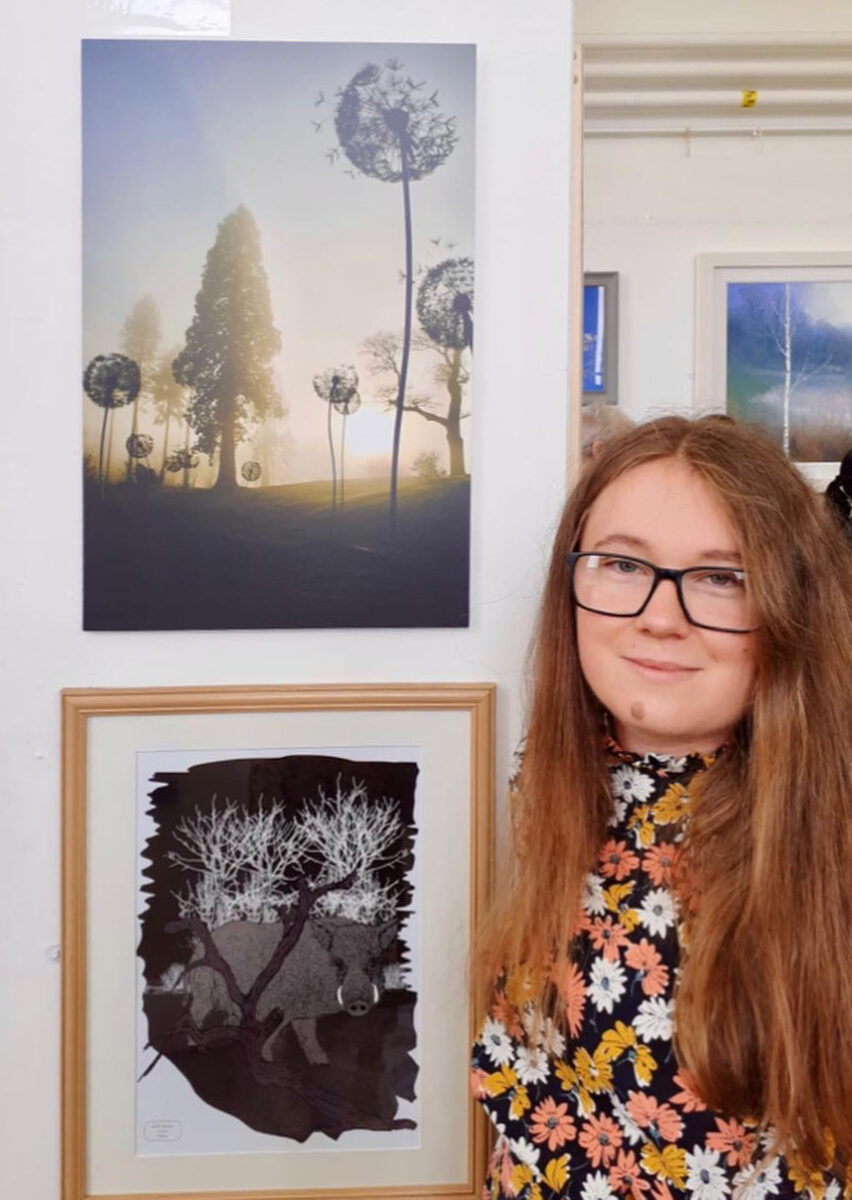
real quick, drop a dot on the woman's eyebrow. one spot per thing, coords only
(637, 543)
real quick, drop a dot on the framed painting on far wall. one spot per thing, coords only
(600, 337)
(271, 897)
(774, 347)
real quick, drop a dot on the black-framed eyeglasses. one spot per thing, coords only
(619, 585)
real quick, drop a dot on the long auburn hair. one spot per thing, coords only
(764, 998)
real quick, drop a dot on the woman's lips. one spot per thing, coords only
(660, 669)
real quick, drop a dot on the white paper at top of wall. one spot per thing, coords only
(148, 18)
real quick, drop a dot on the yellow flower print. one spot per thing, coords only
(622, 1041)
(594, 1072)
(644, 1065)
(671, 806)
(519, 1104)
(616, 1041)
(500, 1081)
(521, 1177)
(556, 1173)
(565, 1075)
(642, 826)
(615, 898)
(668, 1161)
(571, 1084)
(505, 1083)
(535, 1192)
(521, 986)
(814, 1181)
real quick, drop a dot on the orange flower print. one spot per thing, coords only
(660, 862)
(609, 936)
(572, 991)
(661, 1190)
(477, 1083)
(660, 1119)
(653, 972)
(551, 1123)
(504, 1011)
(616, 861)
(733, 1140)
(600, 1137)
(688, 1098)
(625, 1176)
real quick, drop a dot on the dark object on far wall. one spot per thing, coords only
(839, 493)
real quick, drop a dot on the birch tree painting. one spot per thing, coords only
(789, 364)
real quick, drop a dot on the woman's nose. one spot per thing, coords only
(664, 613)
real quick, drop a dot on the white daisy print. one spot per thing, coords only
(629, 786)
(657, 911)
(757, 1185)
(596, 1187)
(706, 1179)
(592, 900)
(545, 1033)
(532, 1065)
(607, 984)
(524, 1151)
(628, 1126)
(497, 1043)
(654, 1019)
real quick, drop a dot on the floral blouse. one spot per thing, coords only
(607, 1112)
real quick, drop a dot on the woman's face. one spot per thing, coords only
(670, 686)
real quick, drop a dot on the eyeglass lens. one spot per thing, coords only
(620, 586)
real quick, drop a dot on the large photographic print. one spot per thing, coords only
(278, 333)
(279, 967)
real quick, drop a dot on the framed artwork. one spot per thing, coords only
(600, 337)
(774, 346)
(278, 314)
(271, 897)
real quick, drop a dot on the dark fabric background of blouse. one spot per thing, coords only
(606, 1111)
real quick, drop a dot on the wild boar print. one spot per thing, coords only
(280, 974)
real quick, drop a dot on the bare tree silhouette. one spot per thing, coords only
(383, 351)
(140, 339)
(391, 130)
(110, 381)
(170, 399)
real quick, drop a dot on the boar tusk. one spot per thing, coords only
(340, 995)
(375, 994)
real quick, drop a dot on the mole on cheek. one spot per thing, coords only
(637, 710)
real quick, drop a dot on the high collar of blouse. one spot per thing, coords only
(658, 764)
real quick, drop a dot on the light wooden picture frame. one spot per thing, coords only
(200, 822)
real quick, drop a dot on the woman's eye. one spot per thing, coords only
(621, 566)
(722, 580)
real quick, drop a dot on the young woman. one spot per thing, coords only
(673, 1007)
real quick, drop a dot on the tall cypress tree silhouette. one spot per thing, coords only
(230, 345)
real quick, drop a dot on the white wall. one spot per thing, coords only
(652, 204)
(518, 471)
(624, 19)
